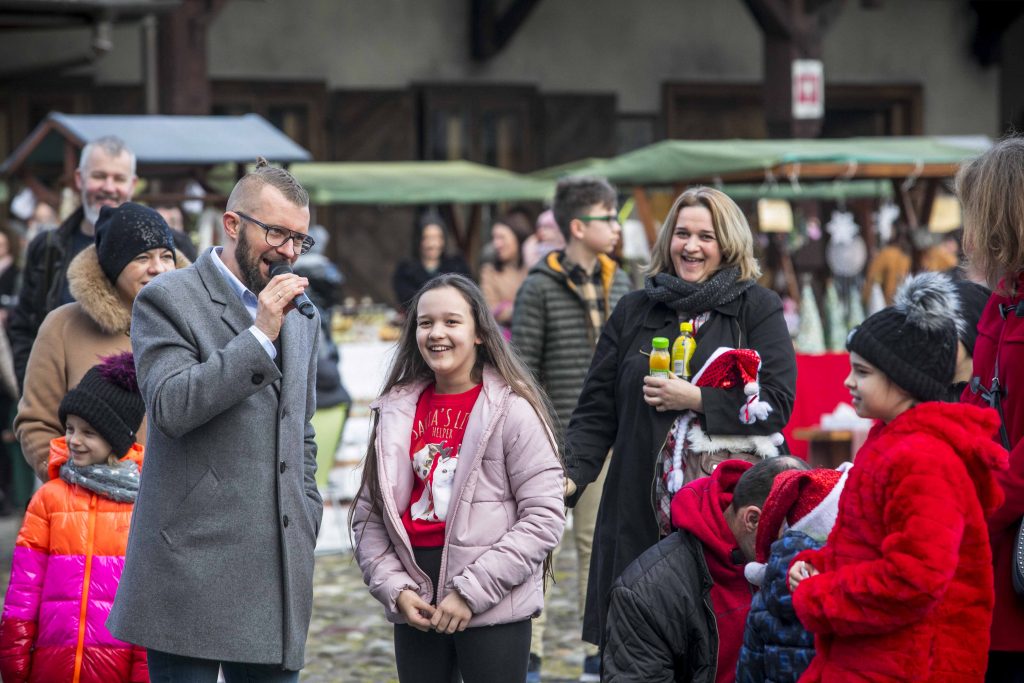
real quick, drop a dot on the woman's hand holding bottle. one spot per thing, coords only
(672, 393)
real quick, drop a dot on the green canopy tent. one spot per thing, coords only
(671, 162)
(421, 182)
(809, 168)
(676, 163)
(416, 182)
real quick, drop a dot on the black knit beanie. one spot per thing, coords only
(914, 341)
(973, 298)
(127, 231)
(108, 399)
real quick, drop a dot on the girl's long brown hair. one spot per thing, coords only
(409, 367)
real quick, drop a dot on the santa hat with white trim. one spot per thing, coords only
(725, 369)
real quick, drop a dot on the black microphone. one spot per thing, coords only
(301, 301)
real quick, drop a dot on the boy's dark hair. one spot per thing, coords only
(573, 196)
(756, 483)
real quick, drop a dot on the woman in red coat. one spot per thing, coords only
(902, 590)
(991, 190)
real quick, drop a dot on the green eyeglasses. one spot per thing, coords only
(610, 218)
(276, 236)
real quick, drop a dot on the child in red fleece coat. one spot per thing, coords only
(903, 588)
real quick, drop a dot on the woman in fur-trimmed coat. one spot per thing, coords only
(74, 336)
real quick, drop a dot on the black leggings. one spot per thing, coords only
(482, 654)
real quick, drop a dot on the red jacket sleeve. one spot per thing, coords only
(21, 607)
(924, 522)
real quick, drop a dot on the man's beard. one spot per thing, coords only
(249, 265)
(92, 211)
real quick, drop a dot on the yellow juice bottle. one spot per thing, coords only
(661, 361)
(682, 351)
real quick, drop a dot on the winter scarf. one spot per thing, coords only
(693, 299)
(118, 483)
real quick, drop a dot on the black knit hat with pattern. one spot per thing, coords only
(914, 341)
(127, 231)
(108, 398)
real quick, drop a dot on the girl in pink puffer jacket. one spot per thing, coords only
(461, 500)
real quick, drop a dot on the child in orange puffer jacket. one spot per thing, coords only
(70, 551)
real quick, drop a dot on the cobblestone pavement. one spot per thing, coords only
(349, 639)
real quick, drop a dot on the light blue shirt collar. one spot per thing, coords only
(243, 292)
(248, 299)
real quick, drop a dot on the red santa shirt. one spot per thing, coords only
(437, 432)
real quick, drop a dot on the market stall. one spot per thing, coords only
(907, 174)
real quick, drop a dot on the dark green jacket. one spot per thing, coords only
(551, 331)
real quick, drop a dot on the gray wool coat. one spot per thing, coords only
(220, 553)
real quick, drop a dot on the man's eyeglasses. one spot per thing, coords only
(277, 236)
(610, 218)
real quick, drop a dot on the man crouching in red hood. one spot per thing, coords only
(677, 612)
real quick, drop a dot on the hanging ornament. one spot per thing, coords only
(813, 229)
(810, 338)
(846, 252)
(885, 218)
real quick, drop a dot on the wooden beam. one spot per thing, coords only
(793, 29)
(491, 29)
(182, 71)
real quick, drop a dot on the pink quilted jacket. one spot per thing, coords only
(506, 515)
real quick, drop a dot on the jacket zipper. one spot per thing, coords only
(86, 580)
(714, 626)
(388, 503)
(499, 409)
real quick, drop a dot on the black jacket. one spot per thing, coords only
(661, 625)
(411, 275)
(612, 414)
(46, 267)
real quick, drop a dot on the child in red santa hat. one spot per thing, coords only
(798, 515)
(903, 588)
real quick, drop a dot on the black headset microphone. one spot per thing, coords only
(301, 301)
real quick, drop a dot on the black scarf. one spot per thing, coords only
(691, 299)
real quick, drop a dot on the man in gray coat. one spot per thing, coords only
(219, 566)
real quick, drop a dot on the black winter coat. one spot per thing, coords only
(612, 414)
(43, 280)
(661, 625)
(410, 275)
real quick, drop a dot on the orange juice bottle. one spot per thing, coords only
(682, 351)
(661, 361)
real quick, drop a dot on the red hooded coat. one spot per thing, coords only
(905, 590)
(1007, 338)
(698, 508)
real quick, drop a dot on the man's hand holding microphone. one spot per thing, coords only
(284, 292)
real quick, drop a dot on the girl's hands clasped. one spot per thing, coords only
(453, 614)
(416, 610)
(672, 393)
